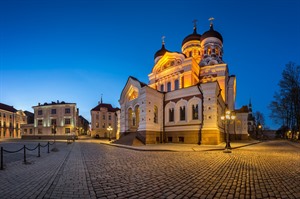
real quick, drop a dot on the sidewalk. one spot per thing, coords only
(181, 147)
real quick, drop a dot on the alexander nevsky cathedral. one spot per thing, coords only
(187, 94)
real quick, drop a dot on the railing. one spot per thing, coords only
(140, 137)
(24, 148)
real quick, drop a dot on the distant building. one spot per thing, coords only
(186, 96)
(103, 116)
(11, 120)
(83, 126)
(29, 127)
(59, 118)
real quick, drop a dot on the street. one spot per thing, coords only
(92, 170)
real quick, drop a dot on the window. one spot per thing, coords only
(181, 139)
(182, 82)
(0, 114)
(176, 84)
(190, 53)
(171, 115)
(25, 131)
(67, 121)
(103, 117)
(53, 111)
(195, 112)
(30, 131)
(155, 120)
(162, 87)
(97, 125)
(103, 126)
(53, 121)
(40, 122)
(4, 115)
(170, 139)
(133, 119)
(67, 130)
(67, 110)
(40, 112)
(169, 86)
(109, 117)
(182, 113)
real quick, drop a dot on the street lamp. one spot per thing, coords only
(109, 128)
(227, 119)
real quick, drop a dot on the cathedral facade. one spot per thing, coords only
(186, 96)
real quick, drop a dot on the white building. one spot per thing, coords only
(186, 95)
(55, 117)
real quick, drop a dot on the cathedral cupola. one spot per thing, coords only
(161, 51)
(191, 44)
(212, 43)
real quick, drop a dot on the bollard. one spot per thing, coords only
(1, 167)
(48, 147)
(39, 150)
(24, 154)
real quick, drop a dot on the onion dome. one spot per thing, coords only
(161, 51)
(191, 37)
(212, 33)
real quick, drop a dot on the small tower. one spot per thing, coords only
(191, 45)
(212, 43)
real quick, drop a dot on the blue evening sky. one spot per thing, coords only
(76, 50)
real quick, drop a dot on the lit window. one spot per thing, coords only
(67, 130)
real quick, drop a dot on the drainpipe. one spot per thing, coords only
(202, 114)
(162, 140)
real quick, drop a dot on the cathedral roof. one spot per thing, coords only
(212, 33)
(161, 51)
(191, 37)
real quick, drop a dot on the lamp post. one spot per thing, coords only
(227, 119)
(109, 128)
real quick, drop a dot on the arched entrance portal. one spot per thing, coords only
(133, 119)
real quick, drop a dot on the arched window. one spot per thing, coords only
(133, 119)
(162, 87)
(169, 86)
(155, 112)
(171, 115)
(195, 112)
(176, 84)
(182, 113)
(208, 51)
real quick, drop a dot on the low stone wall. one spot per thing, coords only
(46, 137)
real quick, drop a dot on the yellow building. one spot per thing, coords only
(11, 121)
(187, 93)
(104, 116)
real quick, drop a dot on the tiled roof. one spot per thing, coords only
(7, 108)
(103, 105)
(244, 109)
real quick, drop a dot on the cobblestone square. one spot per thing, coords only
(93, 170)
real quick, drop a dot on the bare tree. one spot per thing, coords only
(286, 104)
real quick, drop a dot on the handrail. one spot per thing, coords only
(24, 148)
